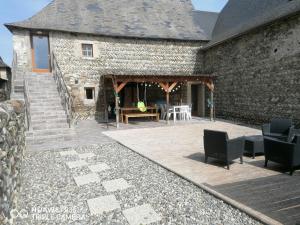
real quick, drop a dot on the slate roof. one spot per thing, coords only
(3, 64)
(206, 20)
(240, 16)
(164, 19)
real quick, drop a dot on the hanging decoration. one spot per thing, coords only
(141, 104)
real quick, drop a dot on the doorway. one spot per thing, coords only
(198, 100)
(40, 53)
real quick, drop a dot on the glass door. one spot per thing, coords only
(40, 53)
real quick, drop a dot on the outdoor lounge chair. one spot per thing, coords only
(278, 128)
(282, 152)
(217, 145)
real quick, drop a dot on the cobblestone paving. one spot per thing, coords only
(130, 190)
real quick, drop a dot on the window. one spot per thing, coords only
(90, 93)
(87, 50)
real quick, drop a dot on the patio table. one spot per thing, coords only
(254, 144)
(152, 109)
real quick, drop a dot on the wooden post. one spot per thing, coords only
(117, 89)
(117, 110)
(168, 105)
(212, 106)
(105, 102)
(168, 88)
(211, 87)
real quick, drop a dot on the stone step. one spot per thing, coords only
(31, 142)
(49, 123)
(45, 95)
(18, 83)
(43, 92)
(49, 126)
(47, 108)
(46, 101)
(41, 120)
(41, 88)
(38, 84)
(18, 89)
(42, 98)
(17, 96)
(43, 104)
(49, 132)
(44, 80)
(45, 115)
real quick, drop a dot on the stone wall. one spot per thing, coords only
(12, 144)
(21, 46)
(258, 73)
(118, 56)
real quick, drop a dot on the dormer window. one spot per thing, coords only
(87, 50)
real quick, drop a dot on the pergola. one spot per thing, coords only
(167, 82)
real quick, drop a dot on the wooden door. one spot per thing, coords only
(40, 53)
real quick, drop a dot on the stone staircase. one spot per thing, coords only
(48, 119)
(18, 85)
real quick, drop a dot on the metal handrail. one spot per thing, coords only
(26, 91)
(13, 70)
(66, 99)
(27, 104)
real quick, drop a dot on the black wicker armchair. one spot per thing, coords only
(278, 128)
(282, 152)
(218, 146)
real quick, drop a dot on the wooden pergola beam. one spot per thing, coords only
(119, 88)
(172, 86)
(168, 83)
(165, 86)
(210, 85)
(160, 79)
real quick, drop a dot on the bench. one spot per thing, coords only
(138, 115)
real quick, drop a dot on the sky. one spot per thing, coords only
(18, 10)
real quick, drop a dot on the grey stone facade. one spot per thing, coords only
(118, 56)
(21, 46)
(12, 145)
(258, 73)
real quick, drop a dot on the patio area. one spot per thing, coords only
(267, 194)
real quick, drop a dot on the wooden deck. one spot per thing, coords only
(180, 149)
(277, 196)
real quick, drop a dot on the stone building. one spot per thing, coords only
(251, 47)
(5, 81)
(255, 54)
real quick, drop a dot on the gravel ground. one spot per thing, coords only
(50, 195)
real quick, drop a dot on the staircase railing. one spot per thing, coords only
(27, 104)
(66, 99)
(14, 70)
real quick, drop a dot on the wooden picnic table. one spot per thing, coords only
(133, 110)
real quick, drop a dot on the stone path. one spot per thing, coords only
(143, 214)
(113, 185)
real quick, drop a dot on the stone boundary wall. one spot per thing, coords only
(258, 74)
(12, 145)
